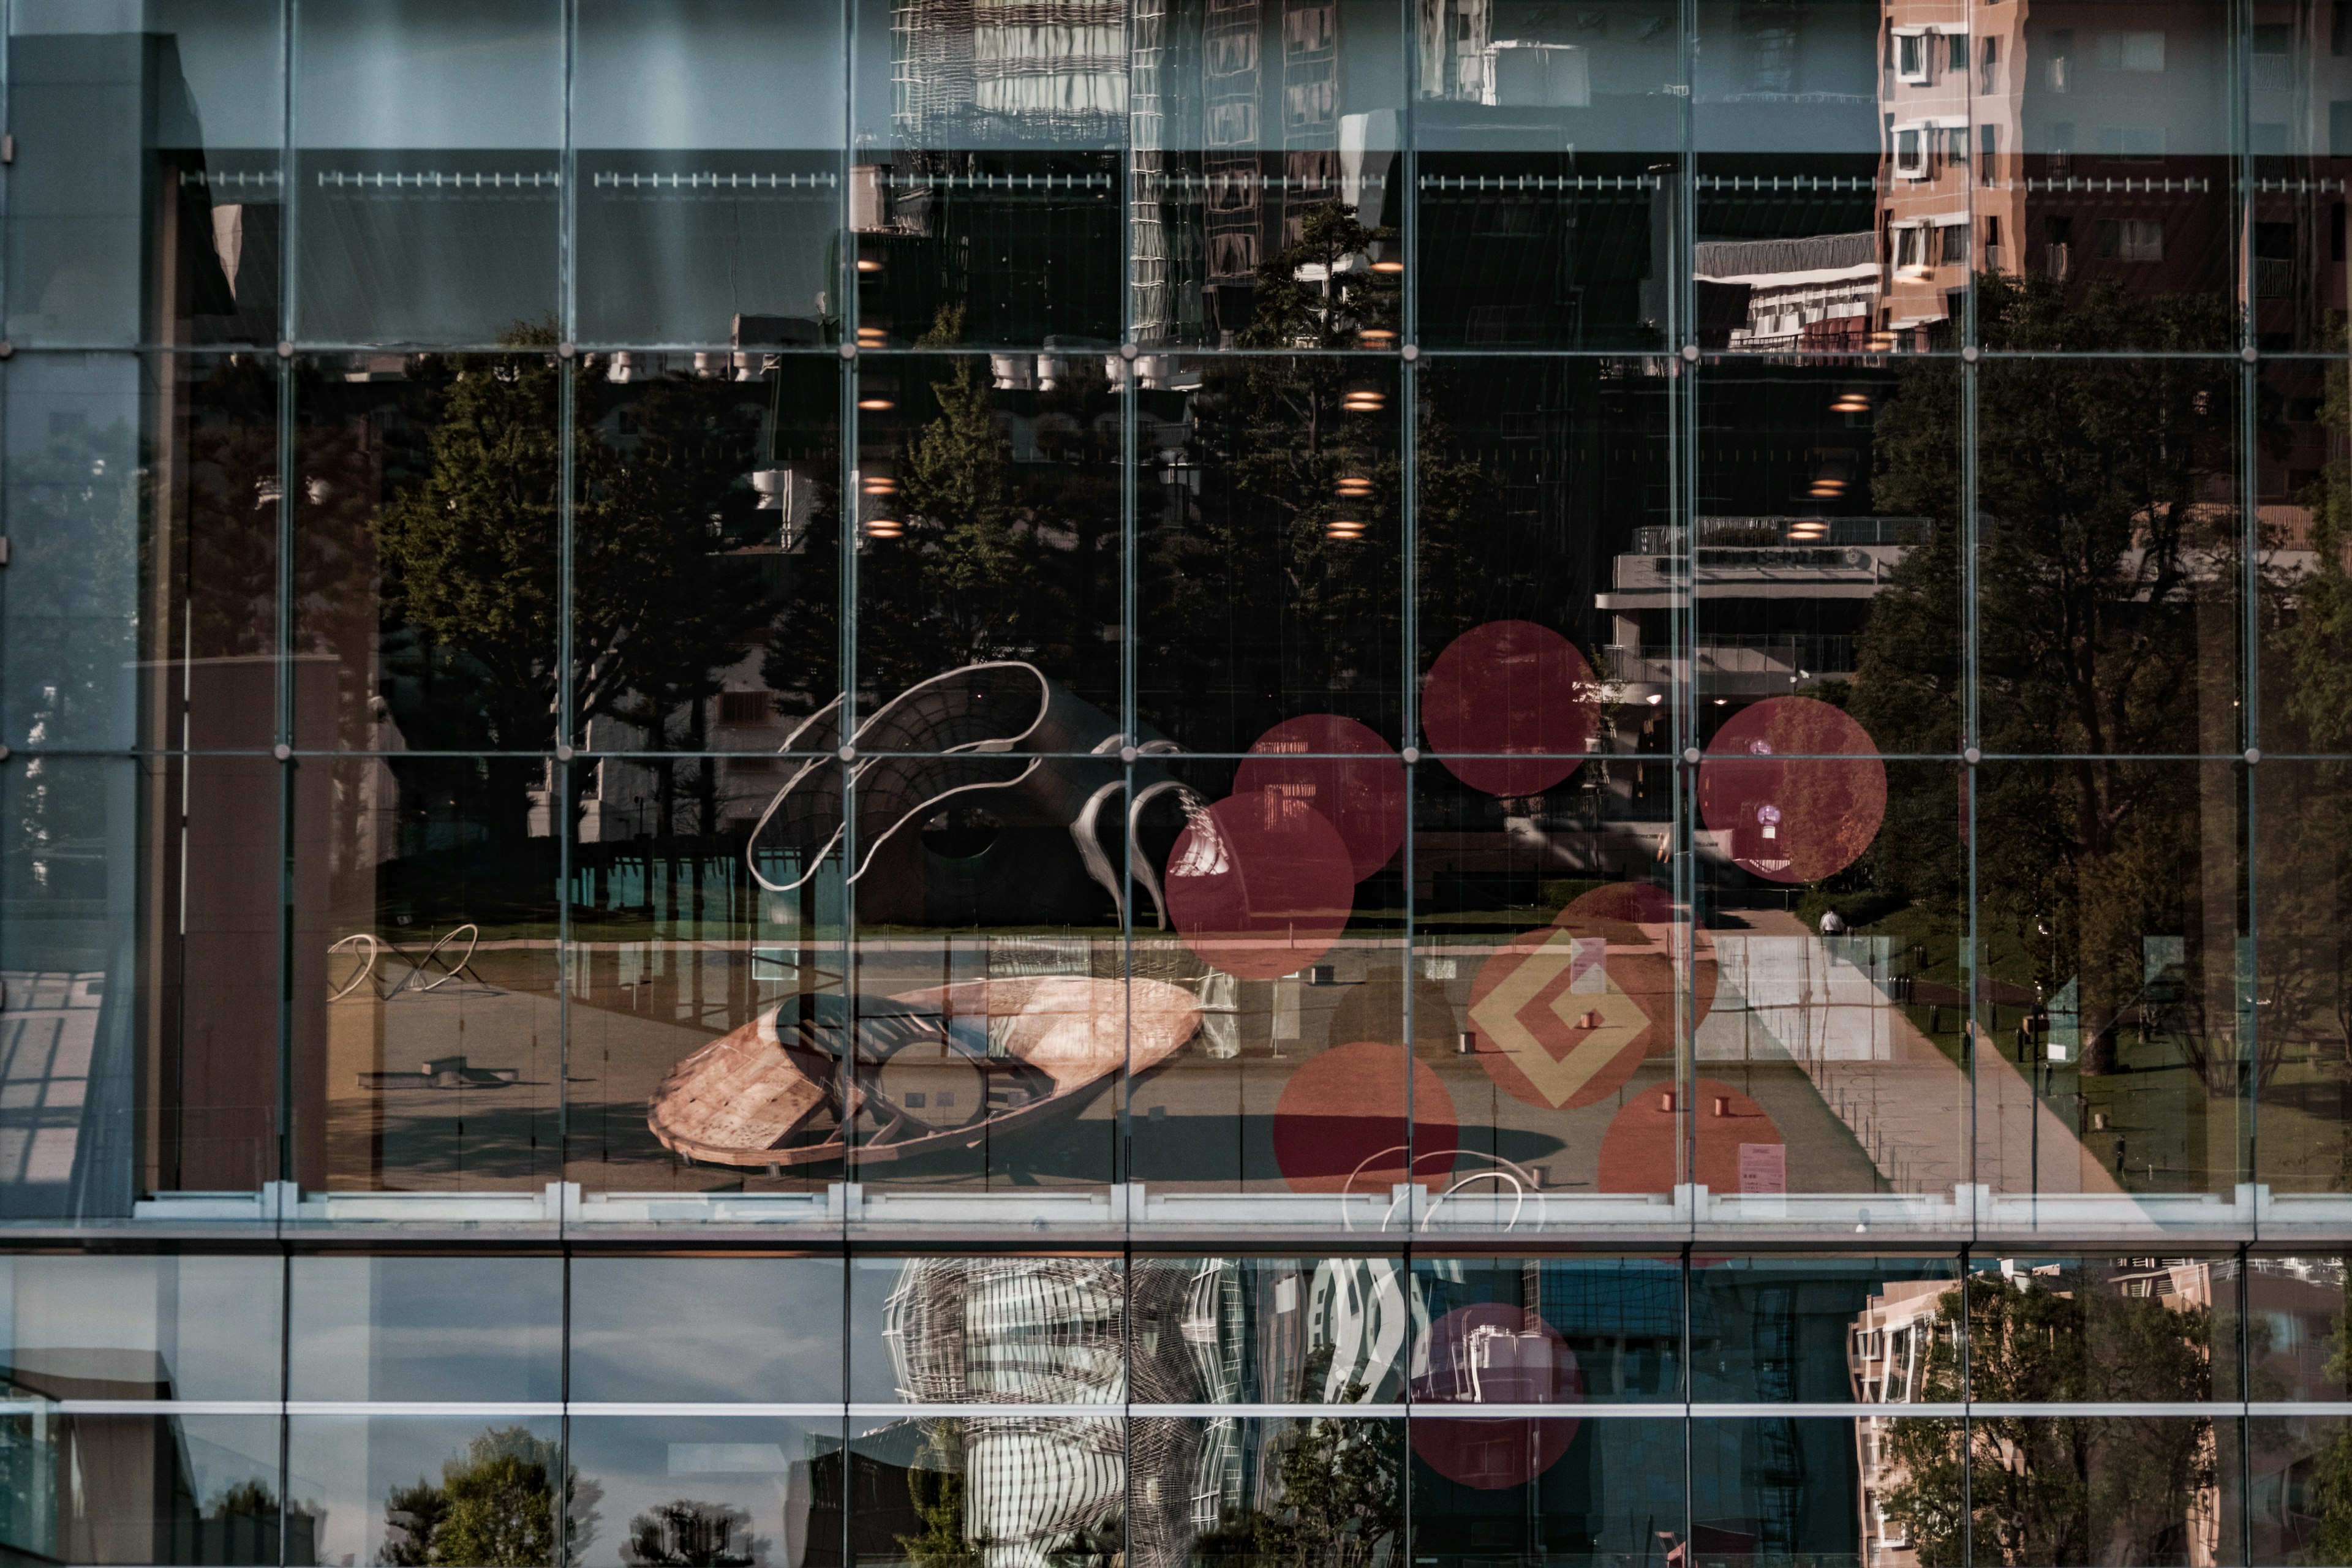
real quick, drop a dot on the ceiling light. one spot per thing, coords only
(1851, 401)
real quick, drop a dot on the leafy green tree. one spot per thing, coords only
(493, 1508)
(2052, 1492)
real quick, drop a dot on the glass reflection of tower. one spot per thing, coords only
(1020, 1332)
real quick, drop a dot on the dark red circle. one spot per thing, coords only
(1639, 1153)
(1340, 1123)
(1795, 788)
(1259, 888)
(1360, 791)
(1514, 689)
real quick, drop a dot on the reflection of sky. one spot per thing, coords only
(715, 1329)
(220, 1451)
(348, 1465)
(211, 1321)
(427, 1328)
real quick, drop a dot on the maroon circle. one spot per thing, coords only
(1641, 1153)
(1340, 1124)
(1259, 892)
(1515, 688)
(1493, 1354)
(1360, 791)
(1795, 788)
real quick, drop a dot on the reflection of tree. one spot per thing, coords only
(2048, 1490)
(471, 560)
(495, 1507)
(2330, 1491)
(2305, 942)
(1340, 1504)
(2106, 607)
(1000, 558)
(690, 1534)
(936, 1487)
(1318, 291)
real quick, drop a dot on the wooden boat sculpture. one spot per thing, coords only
(943, 1068)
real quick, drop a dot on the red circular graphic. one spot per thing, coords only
(1493, 1354)
(1259, 887)
(1739, 1150)
(1364, 799)
(1794, 787)
(1488, 1454)
(1517, 689)
(1562, 1017)
(1340, 1125)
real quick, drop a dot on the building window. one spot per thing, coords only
(1989, 80)
(1911, 153)
(2131, 140)
(1955, 245)
(1911, 57)
(2131, 51)
(2131, 239)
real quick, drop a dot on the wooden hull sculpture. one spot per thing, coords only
(943, 1068)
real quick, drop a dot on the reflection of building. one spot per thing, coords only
(1887, 1355)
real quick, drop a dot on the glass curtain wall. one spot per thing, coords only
(1461, 617)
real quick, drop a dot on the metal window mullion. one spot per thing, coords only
(846, 635)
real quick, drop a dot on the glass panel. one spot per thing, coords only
(1831, 1060)
(70, 660)
(426, 1026)
(1549, 148)
(405, 1490)
(728, 1491)
(70, 1038)
(2112, 941)
(1544, 495)
(1269, 581)
(2298, 141)
(1579, 1493)
(1914, 1484)
(148, 205)
(428, 184)
(2148, 1490)
(718, 1330)
(1828, 557)
(1054, 1488)
(2294, 1312)
(1792, 1329)
(1605, 1329)
(141, 1328)
(1826, 178)
(986, 1330)
(427, 493)
(2124, 230)
(421, 1328)
(2302, 958)
(985, 196)
(2294, 1499)
(148, 1489)
(1239, 1490)
(1267, 953)
(707, 990)
(1278, 1331)
(988, 530)
(1265, 141)
(2109, 611)
(1781, 1489)
(706, 574)
(2119, 1329)
(707, 147)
